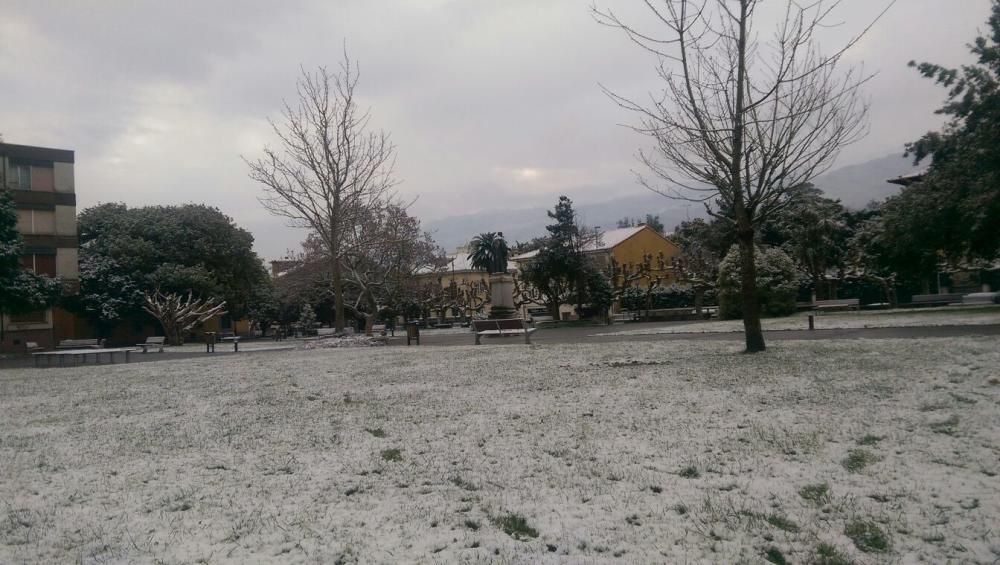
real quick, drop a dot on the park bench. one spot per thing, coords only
(669, 314)
(502, 328)
(935, 299)
(379, 329)
(233, 338)
(81, 344)
(153, 342)
(982, 298)
(321, 332)
(841, 304)
(210, 341)
(31, 346)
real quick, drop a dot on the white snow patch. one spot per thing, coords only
(286, 457)
(346, 341)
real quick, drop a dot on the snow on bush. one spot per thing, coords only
(777, 283)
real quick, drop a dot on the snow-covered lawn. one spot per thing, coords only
(665, 452)
(953, 316)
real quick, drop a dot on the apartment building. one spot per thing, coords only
(41, 182)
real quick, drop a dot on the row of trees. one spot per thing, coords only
(138, 262)
(180, 265)
(949, 219)
(378, 277)
(129, 253)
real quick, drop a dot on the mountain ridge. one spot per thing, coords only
(854, 185)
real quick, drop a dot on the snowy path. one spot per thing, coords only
(930, 317)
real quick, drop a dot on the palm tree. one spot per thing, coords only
(489, 252)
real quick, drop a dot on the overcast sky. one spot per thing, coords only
(492, 104)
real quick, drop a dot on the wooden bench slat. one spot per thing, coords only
(80, 343)
(502, 327)
(849, 303)
(157, 341)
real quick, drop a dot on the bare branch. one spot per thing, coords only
(331, 170)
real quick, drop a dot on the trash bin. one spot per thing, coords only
(412, 333)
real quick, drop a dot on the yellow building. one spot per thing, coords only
(640, 253)
(638, 256)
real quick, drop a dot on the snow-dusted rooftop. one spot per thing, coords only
(607, 240)
(458, 261)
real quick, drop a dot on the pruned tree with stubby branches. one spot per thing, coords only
(331, 169)
(179, 315)
(741, 119)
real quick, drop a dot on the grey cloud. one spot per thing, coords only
(160, 99)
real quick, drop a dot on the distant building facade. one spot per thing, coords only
(460, 289)
(41, 181)
(627, 253)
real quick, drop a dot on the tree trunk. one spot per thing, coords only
(338, 296)
(890, 293)
(370, 315)
(171, 331)
(744, 224)
(553, 307)
(748, 287)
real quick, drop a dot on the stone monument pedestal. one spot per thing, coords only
(502, 296)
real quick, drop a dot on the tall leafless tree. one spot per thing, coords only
(331, 169)
(740, 120)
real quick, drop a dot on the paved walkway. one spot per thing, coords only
(586, 334)
(583, 334)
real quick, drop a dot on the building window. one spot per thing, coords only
(37, 317)
(45, 265)
(40, 264)
(22, 176)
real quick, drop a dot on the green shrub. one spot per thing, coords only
(777, 283)
(817, 494)
(392, 455)
(867, 536)
(858, 459)
(827, 554)
(515, 525)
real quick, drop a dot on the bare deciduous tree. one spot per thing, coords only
(386, 250)
(179, 315)
(741, 120)
(330, 168)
